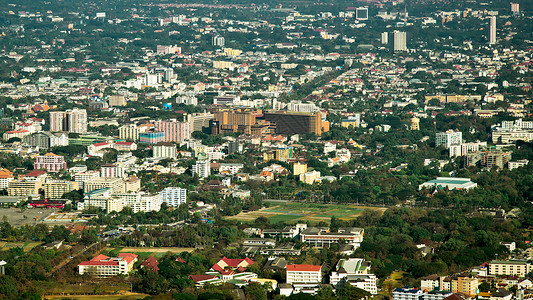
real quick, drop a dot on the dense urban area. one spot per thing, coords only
(242, 149)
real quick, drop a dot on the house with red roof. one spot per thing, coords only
(231, 264)
(200, 280)
(151, 263)
(102, 266)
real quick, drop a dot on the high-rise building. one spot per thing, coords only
(71, 120)
(199, 120)
(400, 41)
(219, 41)
(173, 196)
(515, 8)
(492, 30)
(164, 150)
(112, 170)
(129, 132)
(174, 131)
(202, 168)
(117, 100)
(448, 138)
(384, 38)
(361, 13)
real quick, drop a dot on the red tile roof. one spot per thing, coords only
(304, 268)
(35, 173)
(151, 263)
(129, 257)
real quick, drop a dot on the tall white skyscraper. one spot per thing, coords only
(400, 41)
(492, 30)
(384, 38)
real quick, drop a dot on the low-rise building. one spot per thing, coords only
(303, 274)
(102, 266)
(354, 271)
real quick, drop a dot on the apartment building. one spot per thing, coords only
(164, 150)
(303, 274)
(50, 162)
(173, 196)
(115, 184)
(516, 267)
(5, 178)
(202, 168)
(72, 120)
(103, 266)
(112, 170)
(174, 131)
(54, 189)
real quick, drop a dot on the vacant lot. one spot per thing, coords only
(27, 246)
(292, 212)
(18, 217)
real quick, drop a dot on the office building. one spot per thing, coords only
(174, 131)
(515, 8)
(116, 185)
(173, 196)
(297, 123)
(492, 30)
(488, 159)
(448, 138)
(197, 121)
(361, 13)
(321, 236)
(202, 168)
(400, 41)
(50, 162)
(303, 274)
(54, 189)
(71, 120)
(102, 266)
(164, 150)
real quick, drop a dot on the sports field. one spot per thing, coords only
(292, 212)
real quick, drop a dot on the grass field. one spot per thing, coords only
(292, 212)
(84, 291)
(145, 252)
(27, 246)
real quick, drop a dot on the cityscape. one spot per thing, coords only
(166, 149)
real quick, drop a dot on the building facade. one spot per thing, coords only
(50, 162)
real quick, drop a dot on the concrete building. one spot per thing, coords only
(303, 274)
(218, 41)
(299, 168)
(129, 132)
(515, 267)
(117, 100)
(361, 13)
(151, 137)
(406, 294)
(71, 120)
(132, 184)
(198, 121)
(319, 237)
(54, 189)
(488, 159)
(45, 140)
(492, 30)
(355, 271)
(24, 188)
(174, 131)
(112, 170)
(400, 41)
(449, 183)
(352, 121)
(415, 123)
(518, 164)
(202, 168)
(310, 177)
(102, 266)
(384, 38)
(448, 138)
(297, 123)
(164, 150)
(5, 178)
(50, 162)
(115, 184)
(173, 196)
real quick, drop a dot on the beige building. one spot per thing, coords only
(510, 267)
(117, 100)
(465, 285)
(115, 184)
(132, 184)
(54, 189)
(24, 187)
(299, 168)
(310, 177)
(415, 123)
(129, 132)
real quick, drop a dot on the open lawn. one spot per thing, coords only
(103, 290)
(27, 246)
(292, 212)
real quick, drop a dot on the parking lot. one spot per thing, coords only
(18, 217)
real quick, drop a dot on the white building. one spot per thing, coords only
(356, 272)
(112, 170)
(400, 41)
(407, 294)
(231, 168)
(102, 266)
(464, 148)
(450, 183)
(202, 168)
(173, 196)
(448, 138)
(304, 274)
(164, 150)
(492, 30)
